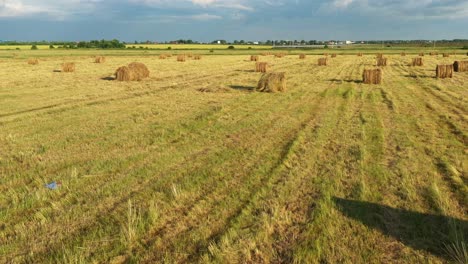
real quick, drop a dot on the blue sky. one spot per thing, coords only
(206, 20)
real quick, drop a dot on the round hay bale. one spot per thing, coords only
(460, 66)
(100, 59)
(124, 73)
(444, 71)
(302, 56)
(139, 70)
(272, 82)
(68, 67)
(33, 61)
(322, 62)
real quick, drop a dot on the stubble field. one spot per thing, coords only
(193, 166)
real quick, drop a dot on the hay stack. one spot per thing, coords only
(446, 55)
(333, 55)
(302, 56)
(382, 61)
(68, 67)
(444, 71)
(433, 53)
(379, 55)
(359, 54)
(417, 62)
(197, 57)
(372, 76)
(322, 62)
(403, 54)
(279, 55)
(100, 59)
(325, 54)
(261, 67)
(460, 66)
(421, 54)
(33, 61)
(162, 57)
(272, 82)
(135, 71)
(181, 58)
(190, 55)
(253, 58)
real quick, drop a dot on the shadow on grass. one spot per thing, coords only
(432, 233)
(242, 88)
(341, 81)
(108, 78)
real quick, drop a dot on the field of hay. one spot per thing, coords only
(192, 166)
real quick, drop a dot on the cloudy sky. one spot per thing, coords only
(206, 20)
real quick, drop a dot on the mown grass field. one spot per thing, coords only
(192, 166)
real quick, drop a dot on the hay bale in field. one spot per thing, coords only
(433, 53)
(382, 61)
(444, 71)
(162, 57)
(190, 55)
(322, 62)
(460, 66)
(261, 67)
(421, 54)
(302, 56)
(403, 54)
(135, 71)
(333, 55)
(169, 55)
(181, 58)
(372, 76)
(100, 59)
(379, 55)
(325, 54)
(253, 58)
(68, 67)
(359, 54)
(279, 55)
(417, 62)
(446, 55)
(33, 61)
(197, 57)
(272, 82)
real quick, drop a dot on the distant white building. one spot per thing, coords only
(349, 42)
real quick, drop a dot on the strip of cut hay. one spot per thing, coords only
(421, 54)
(181, 58)
(261, 67)
(372, 76)
(33, 61)
(254, 58)
(446, 55)
(322, 62)
(302, 56)
(333, 55)
(135, 71)
(68, 67)
(417, 62)
(197, 57)
(272, 82)
(100, 59)
(460, 66)
(444, 71)
(381, 61)
(162, 57)
(403, 54)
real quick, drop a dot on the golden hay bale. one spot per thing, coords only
(382, 61)
(421, 54)
(99, 59)
(333, 55)
(139, 70)
(322, 62)
(168, 55)
(359, 54)
(444, 71)
(460, 66)
(372, 76)
(433, 53)
(446, 55)
(272, 82)
(124, 73)
(403, 54)
(68, 67)
(181, 58)
(302, 56)
(417, 62)
(254, 58)
(197, 57)
(279, 55)
(379, 55)
(162, 57)
(261, 67)
(325, 54)
(190, 55)
(33, 61)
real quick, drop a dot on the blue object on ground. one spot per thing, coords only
(52, 185)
